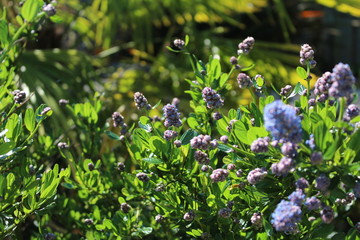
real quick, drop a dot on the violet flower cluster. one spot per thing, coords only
(322, 87)
(170, 134)
(283, 167)
(141, 101)
(219, 175)
(343, 82)
(244, 80)
(172, 116)
(201, 157)
(212, 99)
(307, 55)
(260, 145)
(246, 45)
(256, 175)
(200, 142)
(118, 121)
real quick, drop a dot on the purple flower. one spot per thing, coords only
(62, 145)
(212, 99)
(316, 158)
(217, 116)
(289, 149)
(143, 177)
(225, 212)
(179, 43)
(219, 175)
(214, 144)
(283, 123)
(200, 142)
(322, 183)
(322, 86)
(233, 60)
(177, 143)
(141, 101)
(244, 80)
(118, 119)
(169, 134)
(189, 216)
(285, 90)
(297, 197)
(302, 183)
(260, 145)
(19, 96)
(256, 175)
(231, 167)
(286, 216)
(307, 55)
(327, 214)
(201, 157)
(224, 139)
(256, 220)
(311, 142)
(125, 207)
(175, 102)
(352, 111)
(312, 203)
(343, 82)
(204, 168)
(49, 10)
(45, 111)
(159, 218)
(246, 45)
(172, 116)
(283, 167)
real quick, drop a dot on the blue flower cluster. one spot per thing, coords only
(283, 123)
(286, 216)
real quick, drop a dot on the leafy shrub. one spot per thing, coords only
(273, 169)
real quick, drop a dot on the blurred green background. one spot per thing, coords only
(117, 47)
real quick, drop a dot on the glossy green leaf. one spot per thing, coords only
(301, 72)
(30, 9)
(153, 160)
(29, 119)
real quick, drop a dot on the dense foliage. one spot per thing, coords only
(284, 166)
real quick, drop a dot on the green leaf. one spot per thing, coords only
(315, 118)
(30, 9)
(156, 105)
(191, 121)
(10, 178)
(187, 136)
(223, 79)
(68, 185)
(224, 148)
(267, 226)
(298, 90)
(187, 39)
(4, 32)
(112, 135)
(153, 160)
(240, 132)
(6, 147)
(248, 68)
(29, 119)
(301, 72)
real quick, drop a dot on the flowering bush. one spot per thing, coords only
(285, 166)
